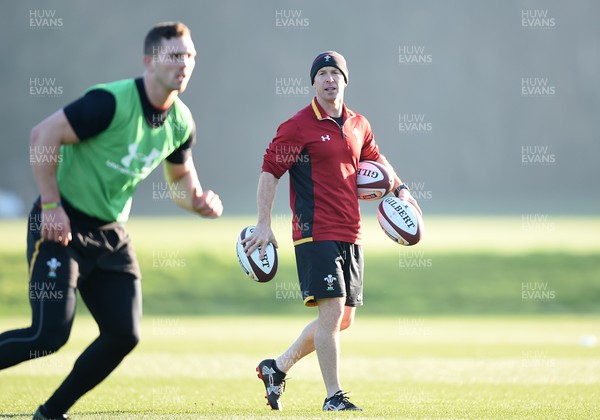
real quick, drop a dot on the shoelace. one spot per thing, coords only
(282, 386)
(343, 397)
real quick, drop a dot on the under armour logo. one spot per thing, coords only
(331, 407)
(87, 240)
(272, 388)
(327, 57)
(133, 154)
(325, 138)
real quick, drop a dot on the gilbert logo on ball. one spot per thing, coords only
(373, 180)
(260, 270)
(400, 220)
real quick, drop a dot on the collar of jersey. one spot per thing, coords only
(322, 115)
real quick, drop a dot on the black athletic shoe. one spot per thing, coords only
(274, 382)
(40, 414)
(338, 402)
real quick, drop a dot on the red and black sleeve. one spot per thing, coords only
(370, 150)
(284, 149)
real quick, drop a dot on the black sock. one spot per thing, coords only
(44, 411)
(47, 412)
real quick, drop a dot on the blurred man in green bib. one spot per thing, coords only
(88, 159)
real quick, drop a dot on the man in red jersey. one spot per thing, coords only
(320, 146)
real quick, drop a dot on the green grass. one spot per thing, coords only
(446, 332)
(190, 268)
(395, 367)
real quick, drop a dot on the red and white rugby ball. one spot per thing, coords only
(400, 220)
(258, 270)
(373, 180)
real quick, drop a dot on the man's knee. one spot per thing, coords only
(347, 322)
(348, 318)
(52, 339)
(331, 311)
(123, 342)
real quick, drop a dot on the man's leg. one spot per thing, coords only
(52, 298)
(305, 343)
(273, 372)
(50, 329)
(319, 268)
(327, 334)
(115, 303)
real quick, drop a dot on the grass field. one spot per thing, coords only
(413, 368)
(446, 332)
(190, 268)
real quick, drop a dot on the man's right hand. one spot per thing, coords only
(56, 226)
(263, 234)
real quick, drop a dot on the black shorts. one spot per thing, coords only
(328, 269)
(92, 255)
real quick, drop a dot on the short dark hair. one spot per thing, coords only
(166, 30)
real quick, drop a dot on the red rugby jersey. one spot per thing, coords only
(322, 159)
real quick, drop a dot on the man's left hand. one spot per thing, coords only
(405, 195)
(208, 205)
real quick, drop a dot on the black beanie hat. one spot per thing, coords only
(328, 58)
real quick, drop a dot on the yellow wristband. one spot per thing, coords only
(48, 206)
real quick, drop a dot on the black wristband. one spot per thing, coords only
(400, 188)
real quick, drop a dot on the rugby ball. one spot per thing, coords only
(373, 180)
(400, 220)
(258, 270)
